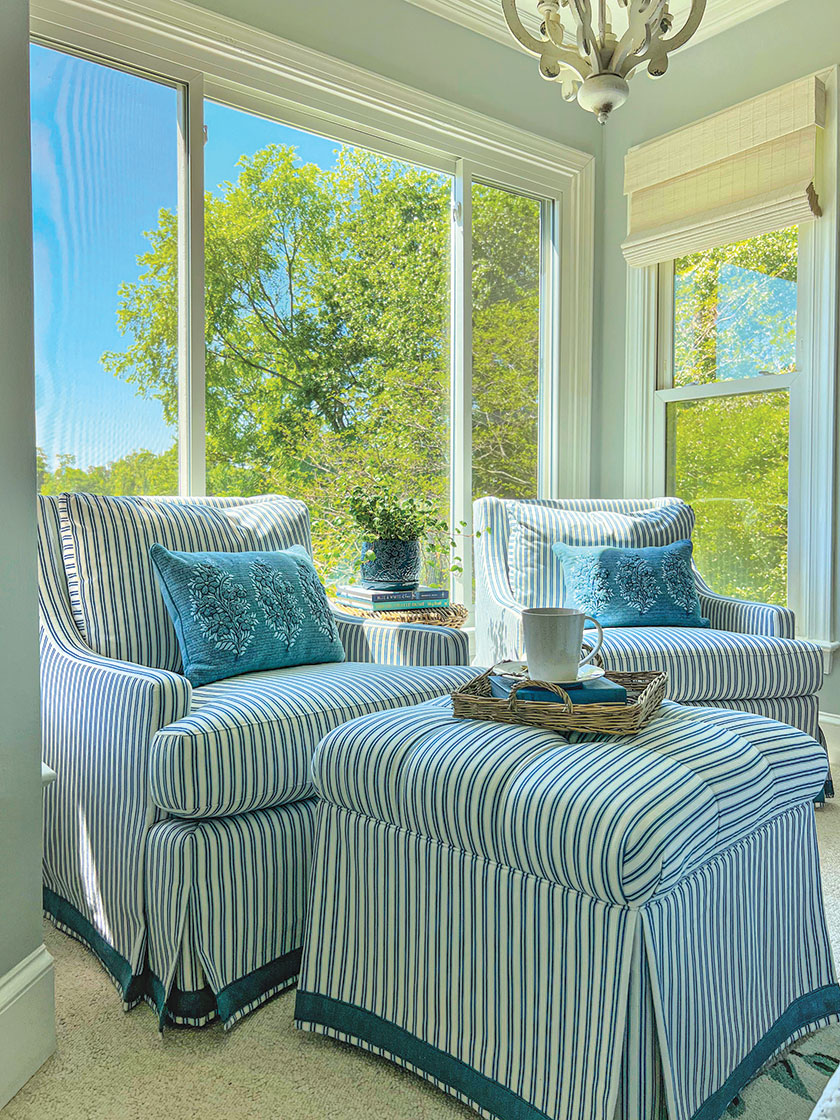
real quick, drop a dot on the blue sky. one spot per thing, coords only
(104, 164)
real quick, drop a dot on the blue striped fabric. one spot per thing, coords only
(708, 664)
(742, 617)
(536, 574)
(98, 719)
(801, 712)
(706, 779)
(484, 898)
(398, 643)
(114, 595)
(226, 898)
(748, 655)
(113, 866)
(248, 741)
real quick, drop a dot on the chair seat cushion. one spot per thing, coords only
(716, 664)
(248, 741)
(616, 817)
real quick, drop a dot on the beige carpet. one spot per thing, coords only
(110, 1065)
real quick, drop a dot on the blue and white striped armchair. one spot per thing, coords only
(748, 661)
(179, 830)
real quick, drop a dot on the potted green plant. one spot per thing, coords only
(392, 529)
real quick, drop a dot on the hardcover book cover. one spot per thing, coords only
(600, 691)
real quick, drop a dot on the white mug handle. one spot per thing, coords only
(598, 644)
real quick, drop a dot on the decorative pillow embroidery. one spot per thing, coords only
(276, 596)
(593, 585)
(636, 583)
(679, 582)
(221, 609)
(652, 586)
(313, 592)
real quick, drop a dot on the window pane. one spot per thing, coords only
(728, 457)
(506, 343)
(105, 166)
(735, 310)
(327, 323)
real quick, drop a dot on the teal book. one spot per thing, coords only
(599, 691)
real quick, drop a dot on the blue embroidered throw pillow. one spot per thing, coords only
(632, 586)
(242, 612)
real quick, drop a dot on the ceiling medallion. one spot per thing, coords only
(592, 63)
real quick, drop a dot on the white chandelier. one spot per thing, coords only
(592, 63)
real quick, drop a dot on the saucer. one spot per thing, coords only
(520, 669)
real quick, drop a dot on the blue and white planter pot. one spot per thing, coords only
(395, 565)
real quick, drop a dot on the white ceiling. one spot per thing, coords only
(485, 16)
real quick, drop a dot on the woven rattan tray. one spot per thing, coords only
(645, 693)
(454, 615)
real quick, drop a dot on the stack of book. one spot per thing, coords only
(598, 691)
(367, 599)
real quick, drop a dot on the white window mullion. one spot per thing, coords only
(550, 354)
(644, 413)
(813, 407)
(191, 435)
(461, 382)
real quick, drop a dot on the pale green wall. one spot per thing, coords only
(414, 47)
(20, 746)
(787, 42)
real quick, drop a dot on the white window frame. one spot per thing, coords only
(219, 58)
(813, 397)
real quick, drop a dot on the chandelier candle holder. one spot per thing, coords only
(592, 63)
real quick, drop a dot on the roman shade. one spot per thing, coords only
(739, 173)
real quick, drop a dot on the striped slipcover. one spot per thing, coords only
(179, 830)
(749, 654)
(569, 928)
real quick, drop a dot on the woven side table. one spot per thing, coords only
(454, 615)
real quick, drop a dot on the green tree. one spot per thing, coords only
(327, 311)
(735, 316)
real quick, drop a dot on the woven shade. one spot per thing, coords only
(739, 173)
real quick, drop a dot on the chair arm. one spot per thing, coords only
(498, 628)
(99, 718)
(742, 617)
(401, 643)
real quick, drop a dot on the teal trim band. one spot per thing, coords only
(802, 1012)
(130, 986)
(203, 1003)
(310, 1007)
(280, 971)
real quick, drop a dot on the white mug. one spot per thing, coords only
(553, 640)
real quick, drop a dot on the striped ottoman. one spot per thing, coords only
(574, 928)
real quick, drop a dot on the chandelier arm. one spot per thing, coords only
(654, 50)
(698, 7)
(519, 31)
(587, 43)
(637, 38)
(553, 58)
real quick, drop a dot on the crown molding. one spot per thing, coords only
(233, 56)
(485, 16)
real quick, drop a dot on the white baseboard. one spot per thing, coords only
(830, 719)
(27, 1021)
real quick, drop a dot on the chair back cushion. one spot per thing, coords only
(535, 572)
(105, 543)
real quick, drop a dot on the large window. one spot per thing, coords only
(238, 292)
(105, 191)
(506, 343)
(731, 320)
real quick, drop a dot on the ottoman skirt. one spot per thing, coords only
(529, 1000)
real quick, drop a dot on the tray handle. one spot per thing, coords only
(513, 703)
